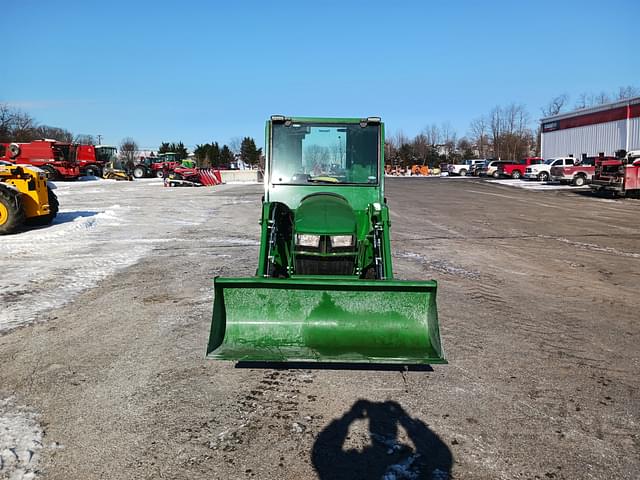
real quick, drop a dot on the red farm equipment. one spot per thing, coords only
(93, 158)
(620, 176)
(57, 159)
(187, 174)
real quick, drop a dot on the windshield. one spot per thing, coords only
(304, 153)
(105, 154)
(549, 161)
(167, 157)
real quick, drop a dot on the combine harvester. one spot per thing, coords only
(324, 288)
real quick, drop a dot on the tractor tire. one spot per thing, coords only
(42, 220)
(93, 171)
(51, 172)
(543, 176)
(159, 174)
(516, 174)
(579, 181)
(11, 210)
(139, 172)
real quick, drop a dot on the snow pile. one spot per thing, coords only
(20, 442)
(103, 226)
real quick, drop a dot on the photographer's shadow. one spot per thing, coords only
(385, 456)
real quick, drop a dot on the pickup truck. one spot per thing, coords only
(542, 171)
(463, 169)
(517, 169)
(578, 174)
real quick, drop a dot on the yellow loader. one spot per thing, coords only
(25, 198)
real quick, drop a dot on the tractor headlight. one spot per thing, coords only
(308, 240)
(341, 240)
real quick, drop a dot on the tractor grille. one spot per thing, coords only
(312, 265)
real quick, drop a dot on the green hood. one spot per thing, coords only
(325, 214)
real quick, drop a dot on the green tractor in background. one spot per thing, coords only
(324, 288)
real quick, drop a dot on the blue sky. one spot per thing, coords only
(202, 71)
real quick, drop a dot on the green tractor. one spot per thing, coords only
(324, 288)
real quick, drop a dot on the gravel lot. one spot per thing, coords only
(538, 302)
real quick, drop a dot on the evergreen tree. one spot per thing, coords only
(214, 154)
(248, 151)
(226, 156)
(201, 153)
(174, 147)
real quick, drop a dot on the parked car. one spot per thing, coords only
(517, 169)
(490, 168)
(579, 174)
(462, 169)
(542, 171)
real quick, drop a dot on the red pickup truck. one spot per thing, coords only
(516, 169)
(579, 174)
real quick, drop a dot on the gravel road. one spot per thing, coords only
(539, 308)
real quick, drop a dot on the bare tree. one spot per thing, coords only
(128, 148)
(495, 124)
(555, 106)
(6, 122)
(584, 101)
(235, 145)
(433, 135)
(59, 134)
(601, 98)
(479, 133)
(448, 138)
(316, 155)
(628, 92)
(23, 127)
(421, 147)
(390, 151)
(84, 139)
(400, 139)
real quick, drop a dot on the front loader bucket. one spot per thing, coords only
(325, 320)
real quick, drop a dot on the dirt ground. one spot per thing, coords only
(539, 306)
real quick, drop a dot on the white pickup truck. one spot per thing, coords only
(463, 168)
(542, 171)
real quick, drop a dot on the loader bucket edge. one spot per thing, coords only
(325, 319)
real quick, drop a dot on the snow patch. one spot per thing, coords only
(103, 226)
(535, 185)
(20, 441)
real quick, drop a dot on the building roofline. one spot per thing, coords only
(598, 108)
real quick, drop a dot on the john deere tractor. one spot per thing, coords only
(324, 287)
(25, 198)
